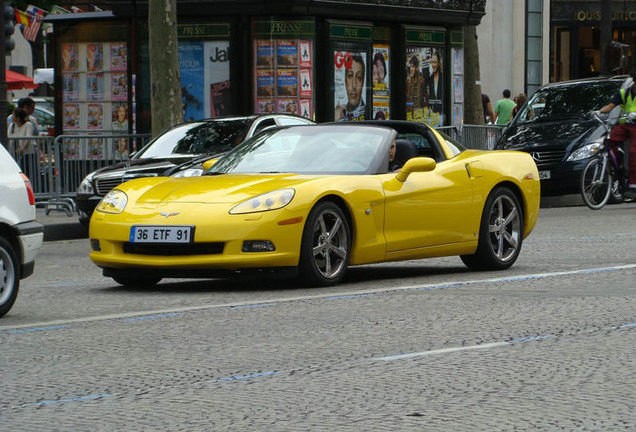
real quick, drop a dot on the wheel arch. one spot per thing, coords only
(342, 204)
(10, 235)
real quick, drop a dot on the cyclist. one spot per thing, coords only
(626, 98)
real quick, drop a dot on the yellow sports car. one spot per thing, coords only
(317, 199)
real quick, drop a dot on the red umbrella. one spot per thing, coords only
(16, 81)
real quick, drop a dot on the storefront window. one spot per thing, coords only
(425, 77)
(283, 53)
(204, 66)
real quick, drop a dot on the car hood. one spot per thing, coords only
(142, 167)
(227, 188)
(561, 135)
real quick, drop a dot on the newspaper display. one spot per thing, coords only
(283, 76)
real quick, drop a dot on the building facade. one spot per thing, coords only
(325, 60)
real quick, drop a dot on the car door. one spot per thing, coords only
(429, 208)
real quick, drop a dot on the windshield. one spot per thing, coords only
(214, 136)
(309, 150)
(554, 103)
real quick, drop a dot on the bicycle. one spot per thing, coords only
(603, 177)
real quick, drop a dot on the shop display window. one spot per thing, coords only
(283, 59)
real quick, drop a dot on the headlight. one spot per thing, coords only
(190, 172)
(269, 201)
(86, 187)
(584, 152)
(114, 202)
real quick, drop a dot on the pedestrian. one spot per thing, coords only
(520, 101)
(487, 107)
(503, 109)
(28, 105)
(626, 99)
(25, 149)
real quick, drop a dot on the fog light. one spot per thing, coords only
(258, 246)
(95, 245)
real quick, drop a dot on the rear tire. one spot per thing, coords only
(9, 276)
(326, 246)
(596, 190)
(500, 233)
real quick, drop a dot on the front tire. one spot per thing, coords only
(500, 233)
(596, 187)
(326, 246)
(9, 276)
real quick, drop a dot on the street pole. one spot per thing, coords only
(3, 79)
(606, 35)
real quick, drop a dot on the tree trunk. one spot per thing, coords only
(473, 111)
(165, 83)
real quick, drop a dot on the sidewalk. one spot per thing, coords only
(59, 226)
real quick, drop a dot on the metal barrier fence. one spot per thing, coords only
(477, 137)
(57, 165)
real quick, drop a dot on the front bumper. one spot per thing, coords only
(565, 178)
(212, 224)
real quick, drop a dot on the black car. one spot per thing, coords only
(556, 128)
(173, 148)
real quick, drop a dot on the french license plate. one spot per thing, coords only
(544, 175)
(161, 234)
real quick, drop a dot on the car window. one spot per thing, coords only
(424, 147)
(554, 103)
(198, 138)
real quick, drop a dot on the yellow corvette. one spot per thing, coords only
(317, 199)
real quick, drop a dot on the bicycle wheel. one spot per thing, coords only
(595, 187)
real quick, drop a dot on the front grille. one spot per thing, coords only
(106, 184)
(546, 160)
(171, 249)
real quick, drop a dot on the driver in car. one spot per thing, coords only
(626, 129)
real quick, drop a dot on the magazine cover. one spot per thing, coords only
(350, 85)
(287, 52)
(305, 54)
(118, 56)
(95, 117)
(264, 53)
(288, 106)
(265, 106)
(119, 117)
(118, 86)
(71, 87)
(71, 116)
(95, 86)
(265, 83)
(220, 98)
(69, 57)
(305, 108)
(306, 88)
(287, 82)
(94, 57)
(95, 147)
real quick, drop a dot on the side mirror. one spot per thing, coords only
(208, 164)
(418, 164)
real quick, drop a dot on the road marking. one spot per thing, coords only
(151, 317)
(358, 293)
(75, 399)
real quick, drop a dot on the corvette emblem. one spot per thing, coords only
(165, 214)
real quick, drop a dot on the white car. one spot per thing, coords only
(21, 235)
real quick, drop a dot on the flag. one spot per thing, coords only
(36, 14)
(22, 17)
